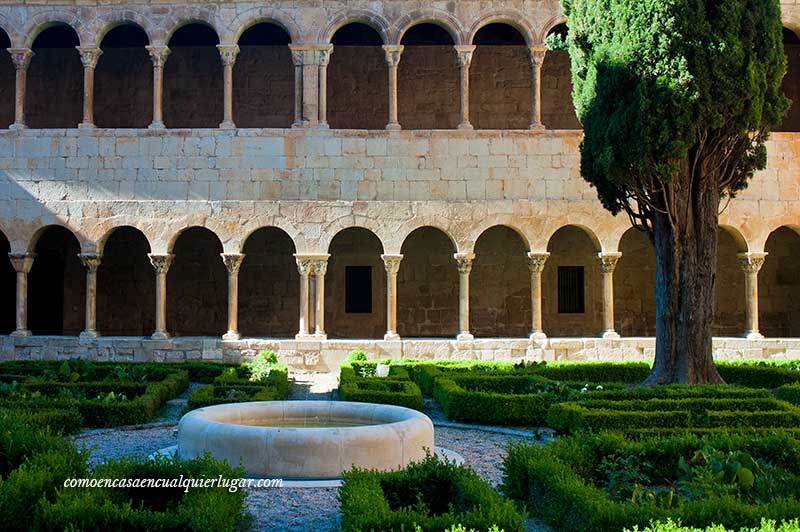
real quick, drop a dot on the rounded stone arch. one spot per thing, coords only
(47, 19)
(598, 247)
(106, 234)
(86, 246)
(296, 236)
(432, 16)
(330, 231)
(368, 18)
(173, 238)
(634, 284)
(615, 237)
(505, 221)
(738, 238)
(14, 36)
(106, 22)
(407, 229)
(779, 284)
(509, 17)
(359, 227)
(259, 15)
(551, 23)
(184, 18)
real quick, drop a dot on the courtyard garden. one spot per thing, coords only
(546, 447)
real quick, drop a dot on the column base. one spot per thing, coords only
(539, 335)
(298, 125)
(322, 125)
(227, 124)
(22, 333)
(393, 126)
(320, 336)
(232, 336)
(88, 335)
(391, 337)
(156, 125)
(465, 337)
(17, 126)
(536, 127)
(466, 126)
(610, 335)
(305, 337)
(160, 335)
(86, 125)
(753, 335)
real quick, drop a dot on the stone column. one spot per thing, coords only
(464, 58)
(91, 261)
(161, 263)
(305, 266)
(464, 261)
(324, 57)
(22, 263)
(393, 54)
(228, 53)
(320, 268)
(158, 55)
(536, 262)
(537, 54)
(89, 57)
(298, 56)
(607, 262)
(233, 262)
(392, 265)
(751, 263)
(21, 57)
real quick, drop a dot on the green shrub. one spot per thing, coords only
(148, 508)
(789, 393)
(607, 482)
(382, 391)
(431, 495)
(236, 390)
(766, 526)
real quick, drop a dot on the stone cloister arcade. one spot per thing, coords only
(499, 289)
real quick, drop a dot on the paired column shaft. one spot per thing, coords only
(233, 261)
(89, 58)
(537, 54)
(22, 263)
(161, 263)
(536, 263)
(91, 261)
(21, 57)
(607, 262)
(228, 53)
(751, 264)
(320, 267)
(158, 55)
(464, 261)
(392, 265)
(464, 58)
(298, 57)
(305, 268)
(324, 56)
(393, 54)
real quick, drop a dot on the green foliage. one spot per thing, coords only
(658, 82)
(429, 496)
(233, 386)
(789, 393)
(262, 365)
(382, 391)
(607, 482)
(766, 526)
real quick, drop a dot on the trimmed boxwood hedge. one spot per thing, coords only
(382, 391)
(561, 481)
(227, 390)
(432, 495)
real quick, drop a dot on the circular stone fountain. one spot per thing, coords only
(306, 439)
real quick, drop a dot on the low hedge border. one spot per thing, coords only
(557, 481)
(431, 495)
(383, 391)
(225, 390)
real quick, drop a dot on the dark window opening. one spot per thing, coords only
(358, 289)
(570, 290)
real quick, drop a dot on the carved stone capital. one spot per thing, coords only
(158, 55)
(608, 261)
(464, 261)
(536, 261)
(392, 263)
(324, 55)
(464, 54)
(536, 55)
(161, 263)
(22, 262)
(298, 55)
(393, 53)
(320, 267)
(228, 53)
(90, 261)
(89, 55)
(751, 262)
(21, 57)
(232, 262)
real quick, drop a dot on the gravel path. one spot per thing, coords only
(304, 509)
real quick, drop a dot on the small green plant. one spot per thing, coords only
(262, 365)
(229, 375)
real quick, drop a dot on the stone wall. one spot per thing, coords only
(634, 286)
(123, 93)
(779, 285)
(263, 87)
(728, 288)
(6, 91)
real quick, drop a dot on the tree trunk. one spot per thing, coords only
(686, 249)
